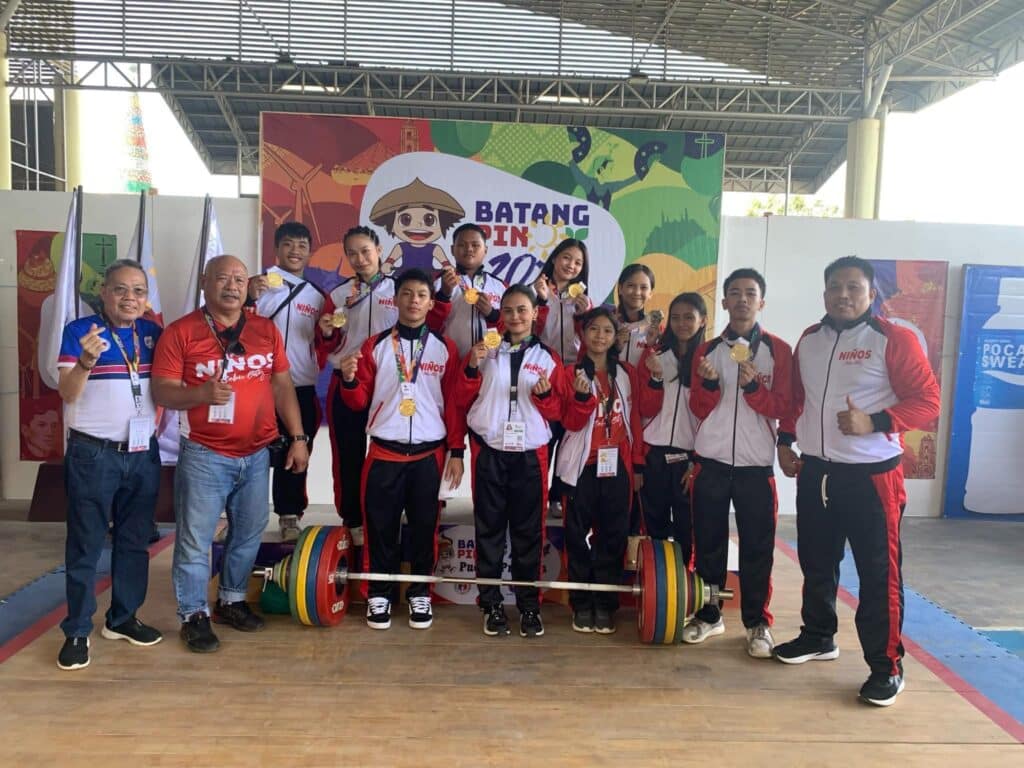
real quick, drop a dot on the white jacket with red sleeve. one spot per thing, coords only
(880, 367)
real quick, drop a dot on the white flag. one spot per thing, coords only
(59, 309)
(167, 432)
(209, 245)
(144, 255)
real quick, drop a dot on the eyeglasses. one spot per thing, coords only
(121, 291)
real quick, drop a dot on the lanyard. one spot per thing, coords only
(408, 373)
(516, 352)
(231, 335)
(131, 362)
(358, 294)
(606, 402)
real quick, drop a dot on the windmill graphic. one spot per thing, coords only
(300, 186)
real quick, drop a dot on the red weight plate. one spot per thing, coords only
(332, 598)
(647, 605)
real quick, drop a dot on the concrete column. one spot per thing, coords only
(5, 118)
(862, 157)
(59, 168)
(73, 137)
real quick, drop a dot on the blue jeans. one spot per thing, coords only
(206, 483)
(104, 485)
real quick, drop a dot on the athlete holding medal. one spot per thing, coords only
(404, 378)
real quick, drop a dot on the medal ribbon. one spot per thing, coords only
(361, 290)
(405, 372)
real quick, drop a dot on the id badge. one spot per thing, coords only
(223, 414)
(607, 462)
(513, 437)
(140, 429)
(408, 390)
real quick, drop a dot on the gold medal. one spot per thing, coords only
(407, 407)
(576, 290)
(274, 280)
(339, 318)
(740, 352)
(471, 295)
(492, 339)
(656, 317)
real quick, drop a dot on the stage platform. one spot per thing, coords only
(292, 696)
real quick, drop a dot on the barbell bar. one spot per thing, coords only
(316, 578)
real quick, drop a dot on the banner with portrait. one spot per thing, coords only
(38, 260)
(913, 294)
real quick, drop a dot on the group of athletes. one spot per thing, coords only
(652, 427)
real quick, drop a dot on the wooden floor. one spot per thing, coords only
(292, 696)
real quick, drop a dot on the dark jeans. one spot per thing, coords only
(104, 485)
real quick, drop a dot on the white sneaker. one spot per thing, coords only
(698, 631)
(290, 528)
(378, 613)
(759, 642)
(357, 536)
(421, 615)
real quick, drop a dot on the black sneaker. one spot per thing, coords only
(378, 613)
(583, 620)
(74, 654)
(881, 689)
(198, 634)
(496, 622)
(134, 631)
(806, 648)
(421, 615)
(530, 624)
(238, 615)
(604, 621)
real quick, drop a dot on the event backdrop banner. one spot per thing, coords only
(633, 196)
(39, 255)
(913, 294)
(985, 474)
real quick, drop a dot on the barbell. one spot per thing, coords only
(316, 578)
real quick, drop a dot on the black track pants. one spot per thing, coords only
(751, 490)
(509, 494)
(862, 504)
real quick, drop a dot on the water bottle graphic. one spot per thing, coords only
(995, 473)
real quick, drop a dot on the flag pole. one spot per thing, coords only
(78, 250)
(142, 226)
(203, 236)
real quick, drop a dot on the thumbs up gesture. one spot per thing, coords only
(854, 421)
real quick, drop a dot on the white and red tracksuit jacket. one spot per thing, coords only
(880, 367)
(486, 393)
(558, 326)
(462, 322)
(739, 424)
(367, 315)
(377, 387)
(638, 401)
(674, 425)
(297, 318)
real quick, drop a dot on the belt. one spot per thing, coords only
(114, 444)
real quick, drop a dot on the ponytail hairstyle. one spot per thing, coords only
(613, 351)
(670, 341)
(549, 266)
(624, 275)
(360, 230)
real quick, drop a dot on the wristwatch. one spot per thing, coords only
(300, 438)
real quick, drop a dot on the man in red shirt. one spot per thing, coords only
(227, 372)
